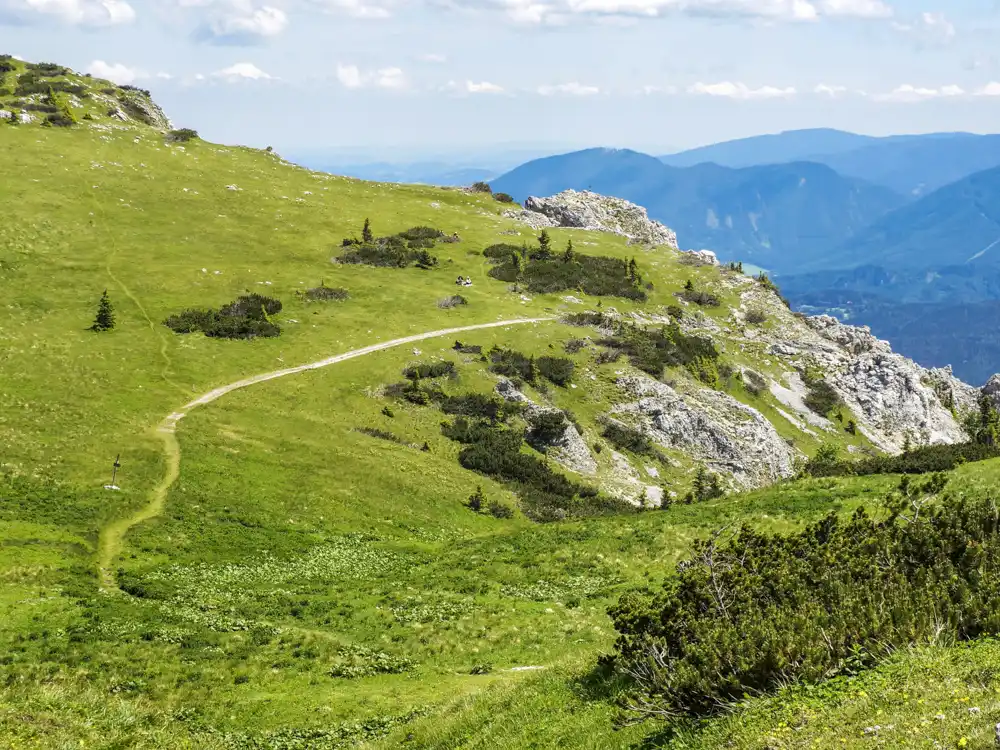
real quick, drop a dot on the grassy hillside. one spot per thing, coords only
(294, 564)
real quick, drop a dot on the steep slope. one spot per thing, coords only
(776, 216)
(346, 554)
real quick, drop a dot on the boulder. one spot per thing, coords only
(600, 213)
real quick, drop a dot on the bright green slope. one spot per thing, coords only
(292, 545)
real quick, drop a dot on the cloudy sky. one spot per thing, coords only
(656, 75)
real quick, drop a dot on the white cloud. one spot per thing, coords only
(731, 90)
(433, 58)
(352, 77)
(910, 93)
(240, 23)
(828, 90)
(354, 8)
(560, 11)
(349, 76)
(243, 71)
(573, 89)
(390, 78)
(117, 73)
(855, 8)
(74, 12)
(483, 87)
(929, 28)
(990, 89)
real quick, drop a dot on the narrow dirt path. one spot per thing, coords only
(112, 535)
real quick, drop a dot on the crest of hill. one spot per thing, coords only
(49, 94)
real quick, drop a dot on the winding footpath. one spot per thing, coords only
(112, 535)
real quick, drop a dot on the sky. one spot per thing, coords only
(401, 79)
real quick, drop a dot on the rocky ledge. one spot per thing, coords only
(601, 213)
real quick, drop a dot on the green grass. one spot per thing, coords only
(292, 544)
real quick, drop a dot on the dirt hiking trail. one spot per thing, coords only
(112, 535)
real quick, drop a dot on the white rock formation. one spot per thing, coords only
(600, 213)
(711, 426)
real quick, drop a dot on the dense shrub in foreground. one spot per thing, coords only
(922, 460)
(753, 613)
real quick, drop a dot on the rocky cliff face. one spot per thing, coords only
(587, 210)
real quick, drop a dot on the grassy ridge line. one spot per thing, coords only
(112, 535)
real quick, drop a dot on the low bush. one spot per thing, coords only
(455, 300)
(627, 438)
(47, 69)
(756, 316)
(546, 427)
(409, 247)
(650, 350)
(544, 272)
(922, 460)
(500, 510)
(479, 406)
(512, 364)
(324, 292)
(699, 297)
(557, 370)
(182, 135)
(503, 198)
(574, 345)
(821, 397)
(438, 369)
(244, 318)
(467, 348)
(375, 432)
(765, 281)
(495, 451)
(481, 187)
(758, 611)
(591, 318)
(754, 382)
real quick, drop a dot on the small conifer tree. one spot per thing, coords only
(105, 320)
(568, 253)
(366, 233)
(544, 244)
(477, 500)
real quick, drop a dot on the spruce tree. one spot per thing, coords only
(366, 233)
(544, 244)
(633, 269)
(568, 253)
(105, 320)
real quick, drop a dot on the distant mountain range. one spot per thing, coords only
(901, 232)
(775, 216)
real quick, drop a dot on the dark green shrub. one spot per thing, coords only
(764, 280)
(557, 370)
(756, 316)
(759, 611)
(422, 234)
(512, 364)
(754, 382)
(821, 397)
(699, 297)
(477, 500)
(924, 459)
(627, 438)
(375, 432)
(706, 486)
(650, 350)
(574, 345)
(244, 318)
(546, 427)
(467, 348)
(438, 369)
(324, 292)
(502, 251)
(478, 405)
(182, 135)
(542, 273)
(675, 311)
(503, 198)
(500, 510)
(481, 187)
